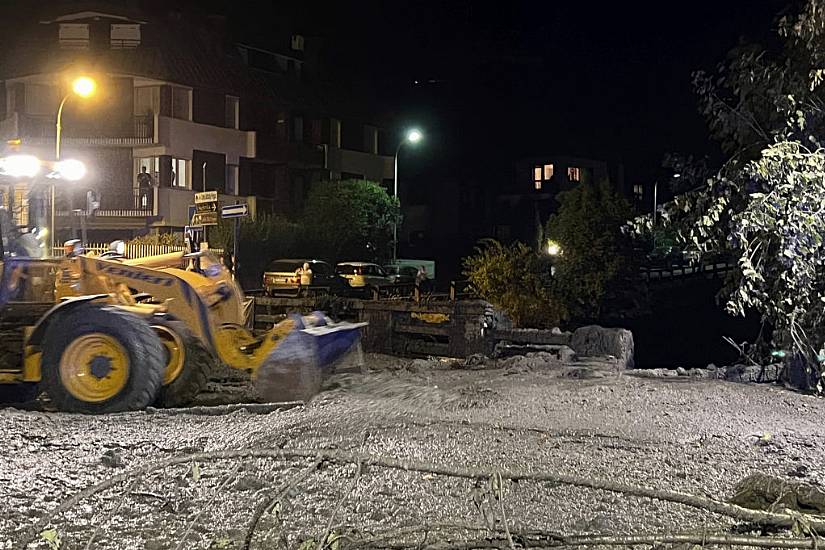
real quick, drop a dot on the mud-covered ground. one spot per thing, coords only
(696, 436)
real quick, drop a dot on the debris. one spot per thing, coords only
(113, 458)
(771, 493)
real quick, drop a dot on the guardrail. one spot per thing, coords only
(676, 272)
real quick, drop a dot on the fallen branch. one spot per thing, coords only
(630, 540)
(277, 495)
(215, 493)
(815, 523)
(219, 410)
(322, 539)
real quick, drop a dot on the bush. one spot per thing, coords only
(516, 280)
(596, 273)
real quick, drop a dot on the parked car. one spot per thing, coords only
(401, 273)
(363, 274)
(283, 276)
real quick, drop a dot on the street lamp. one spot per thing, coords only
(413, 136)
(82, 86)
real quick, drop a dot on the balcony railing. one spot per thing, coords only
(138, 203)
(138, 130)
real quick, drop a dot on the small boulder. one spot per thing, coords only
(567, 355)
(594, 340)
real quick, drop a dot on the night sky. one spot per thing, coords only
(501, 80)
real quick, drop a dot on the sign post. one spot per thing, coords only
(237, 211)
(206, 211)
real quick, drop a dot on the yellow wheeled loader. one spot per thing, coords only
(202, 320)
(130, 332)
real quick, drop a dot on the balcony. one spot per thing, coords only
(137, 208)
(178, 138)
(40, 130)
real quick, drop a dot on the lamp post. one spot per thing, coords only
(83, 87)
(413, 136)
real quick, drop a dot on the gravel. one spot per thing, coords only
(586, 418)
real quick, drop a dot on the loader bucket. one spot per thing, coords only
(295, 369)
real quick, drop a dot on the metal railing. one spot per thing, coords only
(136, 250)
(42, 128)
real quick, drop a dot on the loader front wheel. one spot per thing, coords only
(101, 359)
(188, 363)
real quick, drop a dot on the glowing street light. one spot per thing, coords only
(84, 86)
(70, 169)
(413, 136)
(553, 248)
(20, 166)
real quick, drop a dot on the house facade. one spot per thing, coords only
(178, 109)
(520, 210)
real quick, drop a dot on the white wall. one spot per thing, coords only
(178, 138)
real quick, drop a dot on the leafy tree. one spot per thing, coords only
(515, 279)
(260, 241)
(596, 269)
(350, 220)
(765, 205)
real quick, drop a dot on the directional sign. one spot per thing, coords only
(206, 196)
(235, 210)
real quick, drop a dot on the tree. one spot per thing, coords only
(516, 280)
(596, 268)
(260, 241)
(765, 205)
(350, 220)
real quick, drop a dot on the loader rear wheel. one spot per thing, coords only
(188, 363)
(101, 359)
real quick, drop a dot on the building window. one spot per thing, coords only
(548, 172)
(537, 174)
(537, 184)
(152, 166)
(180, 173)
(124, 37)
(232, 112)
(298, 42)
(74, 36)
(574, 173)
(638, 191)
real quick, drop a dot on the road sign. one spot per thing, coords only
(235, 210)
(206, 196)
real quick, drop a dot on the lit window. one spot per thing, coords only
(548, 172)
(574, 174)
(537, 177)
(638, 190)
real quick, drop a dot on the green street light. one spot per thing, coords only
(413, 136)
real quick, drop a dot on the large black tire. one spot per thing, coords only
(198, 365)
(143, 349)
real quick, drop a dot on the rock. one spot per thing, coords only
(753, 373)
(594, 340)
(475, 361)
(113, 458)
(567, 355)
(556, 330)
(681, 371)
(766, 492)
(532, 361)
